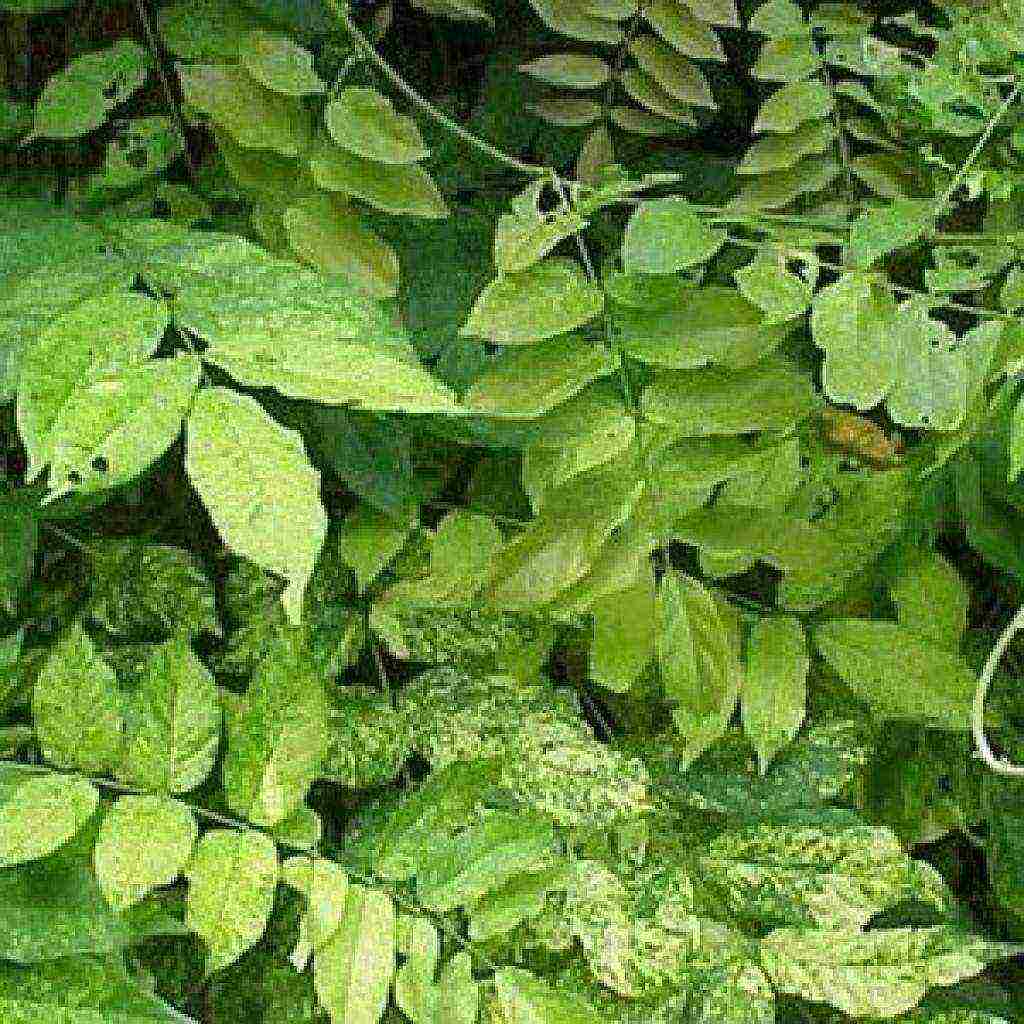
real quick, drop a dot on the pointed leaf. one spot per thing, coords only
(232, 878)
(39, 814)
(279, 63)
(624, 635)
(666, 235)
(572, 70)
(675, 74)
(793, 105)
(879, 232)
(365, 123)
(144, 842)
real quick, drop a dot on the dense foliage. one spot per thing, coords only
(511, 512)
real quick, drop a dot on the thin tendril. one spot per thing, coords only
(1001, 766)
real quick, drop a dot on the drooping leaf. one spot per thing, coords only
(774, 698)
(105, 434)
(931, 599)
(232, 878)
(679, 77)
(278, 743)
(369, 540)
(572, 70)
(624, 635)
(666, 235)
(77, 708)
(352, 972)
(143, 842)
(174, 725)
(551, 297)
(700, 672)
(792, 106)
(365, 123)
(900, 674)
(40, 813)
(259, 487)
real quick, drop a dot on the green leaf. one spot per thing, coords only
(365, 123)
(1004, 843)
(175, 721)
(552, 297)
(523, 998)
(76, 707)
(774, 698)
(529, 382)
(40, 814)
(679, 77)
(737, 994)
(931, 599)
(782, 152)
(325, 232)
(571, 70)
(279, 63)
(453, 999)
(232, 878)
(624, 635)
(1011, 295)
(900, 674)
(207, 30)
(817, 877)
(144, 842)
(767, 284)
(700, 672)
(1016, 443)
(457, 871)
(878, 232)
(278, 744)
(110, 431)
(462, 551)
(353, 971)
(369, 540)
(260, 489)
(666, 235)
(794, 105)
(252, 115)
(324, 886)
(788, 59)
(78, 98)
(778, 18)
(880, 973)
(401, 189)
(770, 396)
(19, 535)
(851, 321)
(99, 337)
(707, 325)
(684, 32)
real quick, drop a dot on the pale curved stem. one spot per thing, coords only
(999, 765)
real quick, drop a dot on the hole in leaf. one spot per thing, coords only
(945, 784)
(74, 477)
(100, 464)
(137, 158)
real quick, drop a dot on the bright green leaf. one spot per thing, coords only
(666, 235)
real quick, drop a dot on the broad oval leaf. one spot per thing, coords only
(98, 337)
(523, 998)
(232, 878)
(111, 430)
(39, 815)
(899, 673)
(666, 235)
(625, 634)
(793, 105)
(364, 122)
(174, 726)
(326, 233)
(550, 298)
(259, 487)
(144, 842)
(931, 598)
(352, 973)
(279, 63)
(76, 706)
(394, 188)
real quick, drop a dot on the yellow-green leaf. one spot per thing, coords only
(364, 122)
(279, 63)
(666, 235)
(232, 878)
(40, 814)
(573, 70)
(144, 842)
